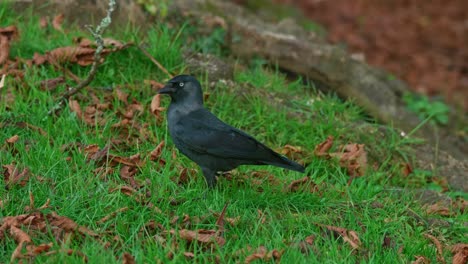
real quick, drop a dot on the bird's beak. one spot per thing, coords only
(168, 89)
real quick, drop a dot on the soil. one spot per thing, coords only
(422, 42)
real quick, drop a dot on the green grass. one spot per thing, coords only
(262, 103)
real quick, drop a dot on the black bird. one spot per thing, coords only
(214, 145)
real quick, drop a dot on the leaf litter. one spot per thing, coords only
(25, 228)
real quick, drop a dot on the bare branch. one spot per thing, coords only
(97, 34)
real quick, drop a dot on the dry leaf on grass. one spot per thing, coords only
(111, 215)
(108, 43)
(33, 250)
(58, 21)
(10, 145)
(297, 185)
(12, 175)
(156, 86)
(406, 169)
(421, 260)
(156, 108)
(7, 34)
(32, 127)
(121, 95)
(440, 252)
(263, 254)
(38, 222)
(460, 252)
(292, 152)
(220, 220)
(349, 236)
(438, 208)
(51, 84)
(127, 258)
(12, 140)
(69, 54)
(305, 246)
(44, 21)
(202, 236)
(353, 157)
(321, 150)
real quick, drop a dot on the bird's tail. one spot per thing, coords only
(283, 162)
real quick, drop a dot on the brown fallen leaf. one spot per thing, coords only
(10, 145)
(406, 169)
(438, 208)
(127, 190)
(460, 204)
(121, 95)
(58, 21)
(421, 260)
(12, 176)
(32, 127)
(353, 157)
(51, 84)
(156, 86)
(69, 225)
(460, 252)
(70, 54)
(388, 242)
(156, 108)
(75, 107)
(296, 185)
(321, 150)
(108, 43)
(189, 255)
(111, 215)
(349, 236)
(305, 246)
(127, 258)
(440, 252)
(185, 176)
(19, 235)
(7, 35)
(292, 152)
(12, 140)
(44, 21)
(220, 220)
(33, 250)
(203, 236)
(263, 254)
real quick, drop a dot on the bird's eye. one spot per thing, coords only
(181, 84)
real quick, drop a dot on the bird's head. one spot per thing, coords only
(184, 88)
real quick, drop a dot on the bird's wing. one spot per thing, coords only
(203, 132)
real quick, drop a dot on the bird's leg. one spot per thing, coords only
(210, 177)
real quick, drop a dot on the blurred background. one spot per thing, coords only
(421, 42)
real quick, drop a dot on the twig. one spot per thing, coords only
(155, 61)
(97, 34)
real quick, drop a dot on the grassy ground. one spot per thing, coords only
(390, 224)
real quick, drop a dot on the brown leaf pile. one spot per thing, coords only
(460, 253)
(24, 228)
